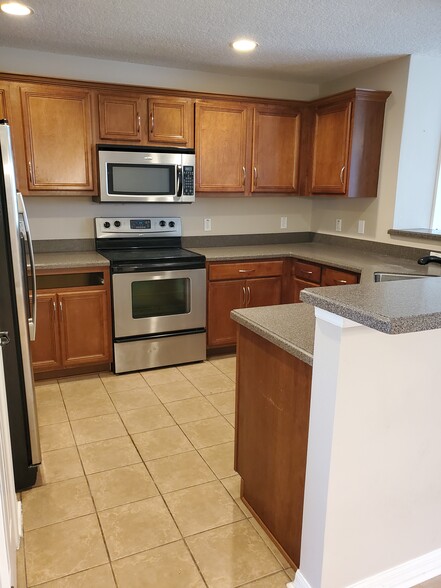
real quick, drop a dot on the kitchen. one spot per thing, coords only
(241, 216)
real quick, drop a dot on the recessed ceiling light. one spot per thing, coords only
(244, 45)
(16, 9)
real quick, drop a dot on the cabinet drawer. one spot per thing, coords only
(307, 271)
(250, 269)
(334, 277)
(300, 285)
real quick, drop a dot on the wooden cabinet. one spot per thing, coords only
(120, 117)
(73, 322)
(4, 99)
(305, 274)
(171, 121)
(57, 128)
(337, 277)
(231, 286)
(346, 148)
(244, 148)
(272, 422)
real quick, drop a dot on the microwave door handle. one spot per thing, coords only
(33, 319)
(179, 181)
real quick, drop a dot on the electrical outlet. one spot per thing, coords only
(338, 224)
(207, 224)
(361, 224)
(283, 222)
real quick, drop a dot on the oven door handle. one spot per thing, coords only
(179, 181)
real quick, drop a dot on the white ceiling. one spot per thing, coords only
(304, 40)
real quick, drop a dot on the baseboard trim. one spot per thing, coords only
(299, 581)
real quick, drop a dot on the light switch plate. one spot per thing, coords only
(361, 225)
(338, 224)
(207, 224)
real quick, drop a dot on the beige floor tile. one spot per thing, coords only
(208, 432)
(61, 464)
(199, 369)
(100, 577)
(138, 526)
(146, 419)
(98, 428)
(192, 409)
(56, 436)
(180, 471)
(74, 385)
(213, 384)
(224, 402)
(278, 580)
(232, 555)
(56, 502)
(227, 365)
(115, 383)
(161, 443)
(220, 458)
(175, 391)
(46, 393)
(433, 583)
(51, 413)
(109, 454)
(162, 376)
(87, 405)
(202, 507)
(233, 485)
(274, 550)
(134, 399)
(231, 418)
(64, 548)
(291, 573)
(21, 567)
(246, 511)
(121, 486)
(168, 566)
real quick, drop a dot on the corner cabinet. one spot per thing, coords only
(73, 321)
(57, 127)
(247, 148)
(346, 147)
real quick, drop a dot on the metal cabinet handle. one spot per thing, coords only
(246, 271)
(306, 272)
(341, 281)
(255, 176)
(152, 122)
(61, 310)
(249, 295)
(139, 122)
(54, 307)
(244, 175)
(31, 173)
(341, 174)
(243, 296)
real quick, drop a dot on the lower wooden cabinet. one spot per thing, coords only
(73, 328)
(228, 293)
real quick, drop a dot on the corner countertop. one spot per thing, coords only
(69, 259)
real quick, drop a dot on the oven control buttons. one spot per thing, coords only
(106, 225)
(117, 223)
(188, 180)
(162, 223)
(171, 224)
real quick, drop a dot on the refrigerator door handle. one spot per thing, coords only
(33, 318)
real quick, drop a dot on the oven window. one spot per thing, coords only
(152, 298)
(141, 180)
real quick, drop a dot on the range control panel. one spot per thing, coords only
(106, 228)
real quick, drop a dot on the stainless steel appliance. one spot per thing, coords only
(17, 319)
(140, 174)
(158, 293)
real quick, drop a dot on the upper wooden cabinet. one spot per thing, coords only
(346, 149)
(245, 148)
(57, 128)
(3, 106)
(120, 117)
(171, 121)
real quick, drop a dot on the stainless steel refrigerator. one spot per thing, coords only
(17, 319)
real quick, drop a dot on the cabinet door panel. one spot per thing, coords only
(58, 137)
(331, 149)
(299, 285)
(84, 327)
(264, 292)
(171, 121)
(276, 139)
(3, 107)
(223, 297)
(46, 347)
(120, 117)
(221, 147)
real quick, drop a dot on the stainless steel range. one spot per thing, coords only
(158, 293)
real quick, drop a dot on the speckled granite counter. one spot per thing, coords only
(332, 255)
(69, 259)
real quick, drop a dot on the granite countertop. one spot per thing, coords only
(69, 259)
(289, 326)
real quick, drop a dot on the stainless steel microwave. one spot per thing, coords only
(146, 175)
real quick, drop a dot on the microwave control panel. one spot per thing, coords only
(188, 180)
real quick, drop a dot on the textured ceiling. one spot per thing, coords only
(305, 40)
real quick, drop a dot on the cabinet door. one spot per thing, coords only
(276, 140)
(3, 108)
(331, 149)
(120, 117)
(171, 121)
(334, 277)
(263, 292)
(221, 147)
(46, 347)
(298, 286)
(84, 327)
(58, 138)
(223, 297)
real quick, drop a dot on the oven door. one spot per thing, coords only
(151, 302)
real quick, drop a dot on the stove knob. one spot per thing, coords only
(106, 225)
(117, 223)
(162, 223)
(171, 224)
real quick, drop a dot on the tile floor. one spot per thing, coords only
(137, 487)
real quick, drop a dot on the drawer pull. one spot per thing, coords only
(249, 295)
(306, 272)
(341, 281)
(341, 175)
(246, 271)
(244, 296)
